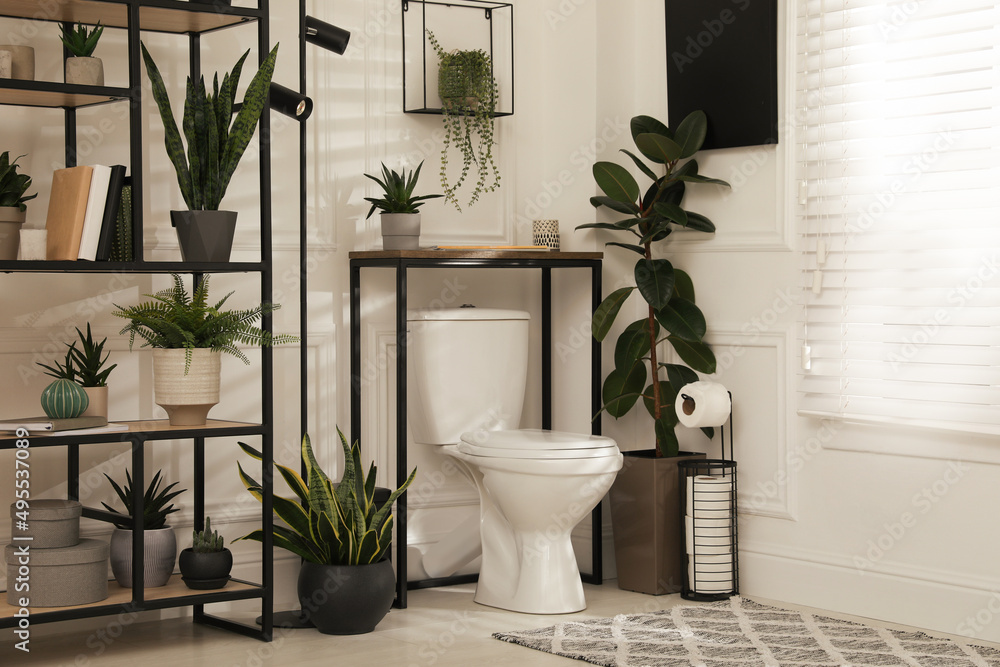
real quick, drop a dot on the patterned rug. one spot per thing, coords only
(742, 632)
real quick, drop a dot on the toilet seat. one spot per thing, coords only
(536, 444)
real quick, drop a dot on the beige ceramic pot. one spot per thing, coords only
(85, 71)
(22, 61)
(98, 405)
(11, 219)
(186, 398)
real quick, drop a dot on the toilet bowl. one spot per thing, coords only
(469, 369)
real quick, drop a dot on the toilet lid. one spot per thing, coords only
(536, 444)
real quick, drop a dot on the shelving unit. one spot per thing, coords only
(192, 21)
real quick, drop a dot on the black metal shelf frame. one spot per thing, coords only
(129, 17)
(401, 266)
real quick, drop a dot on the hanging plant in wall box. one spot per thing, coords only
(469, 93)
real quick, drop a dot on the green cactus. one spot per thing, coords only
(207, 541)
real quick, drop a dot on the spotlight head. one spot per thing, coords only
(289, 102)
(330, 37)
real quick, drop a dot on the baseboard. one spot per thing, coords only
(954, 605)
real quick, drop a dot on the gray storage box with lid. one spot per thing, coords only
(52, 524)
(59, 577)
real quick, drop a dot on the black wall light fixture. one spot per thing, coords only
(289, 102)
(330, 37)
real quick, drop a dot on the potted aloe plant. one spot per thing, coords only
(215, 144)
(649, 477)
(13, 187)
(82, 68)
(346, 585)
(206, 564)
(469, 94)
(159, 541)
(86, 367)
(188, 336)
(400, 216)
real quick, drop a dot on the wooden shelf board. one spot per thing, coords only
(473, 254)
(158, 429)
(182, 19)
(53, 99)
(117, 595)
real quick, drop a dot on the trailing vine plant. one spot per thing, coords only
(469, 94)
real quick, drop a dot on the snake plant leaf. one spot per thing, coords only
(616, 182)
(246, 120)
(386, 509)
(172, 137)
(658, 148)
(606, 313)
(700, 223)
(690, 134)
(655, 280)
(666, 438)
(615, 205)
(292, 513)
(683, 285)
(642, 165)
(683, 319)
(622, 389)
(368, 548)
(629, 246)
(697, 355)
(319, 484)
(197, 140)
(384, 538)
(648, 125)
(633, 343)
(668, 395)
(292, 478)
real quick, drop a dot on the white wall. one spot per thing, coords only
(815, 496)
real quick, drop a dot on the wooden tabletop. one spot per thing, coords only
(473, 254)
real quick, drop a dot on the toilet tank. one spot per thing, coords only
(467, 369)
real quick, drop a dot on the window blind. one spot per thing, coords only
(898, 147)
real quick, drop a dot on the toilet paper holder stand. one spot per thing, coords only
(715, 575)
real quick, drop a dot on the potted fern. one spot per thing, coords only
(346, 584)
(206, 564)
(469, 94)
(159, 541)
(645, 549)
(400, 216)
(86, 367)
(82, 68)
(215, 144)
(13, 187)
(188, 336)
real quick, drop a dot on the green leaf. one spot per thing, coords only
(671, 212)
(648, 125)
(708, 431)
(633, 343)
(601, 225)
(683, 285)
(700, 223)
(690, 134)
(667, 397)
(697, 355)
(622, 389)
(628, 246)
(615, 205)
(655, 281)
(666, 439)
(683, 319)
(678, 375)
(642, 165)
(616, 182)
(658, 148)
(172, 137)
(606, 313)
(695, 178)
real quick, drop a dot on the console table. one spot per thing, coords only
(402, 261)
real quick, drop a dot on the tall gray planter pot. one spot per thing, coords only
(158, 556)
(204, 236)
(400, 231)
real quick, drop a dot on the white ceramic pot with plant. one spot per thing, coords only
(188, 336)
(12, 208)
(82, 68)
(400, 217)
(159, 542)
(85, 366)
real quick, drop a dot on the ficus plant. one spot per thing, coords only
(672, 316)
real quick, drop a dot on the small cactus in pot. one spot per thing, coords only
(206, 564)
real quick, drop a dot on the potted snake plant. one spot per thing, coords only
(13, 187)
(346, 584)
(400, 216)
(650, 476)
(215, 144)
(85, 366)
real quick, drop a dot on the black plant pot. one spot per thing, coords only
(346, 599)
(205, 571)
(204, 236)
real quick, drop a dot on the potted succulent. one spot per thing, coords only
(400, 216)
(469, 93)
(159, 541)
(215, 144)
(346, 584)
(86, 368)
(13, 187)
(649, 478)
(82, 68)
(206, 564)
(188, 336)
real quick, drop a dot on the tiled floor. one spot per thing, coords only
(441, 627)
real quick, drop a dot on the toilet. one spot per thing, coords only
(469, 370)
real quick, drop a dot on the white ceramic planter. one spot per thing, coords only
(186, 398)
(158, 556)
(400, 231)
(85, 71)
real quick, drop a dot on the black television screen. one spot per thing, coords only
(722, 58)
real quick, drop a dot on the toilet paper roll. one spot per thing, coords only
(710, 497)
(708, 536)
(710, 574)
(703, 404)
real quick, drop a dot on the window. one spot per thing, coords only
(898, 147)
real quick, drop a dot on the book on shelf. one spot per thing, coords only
(111, 206)
(110, 428)
(49, 425)
(67, 212)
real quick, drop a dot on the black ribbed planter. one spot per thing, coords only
(346, 599)
(205, 571)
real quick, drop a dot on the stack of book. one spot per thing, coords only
(83, 212)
